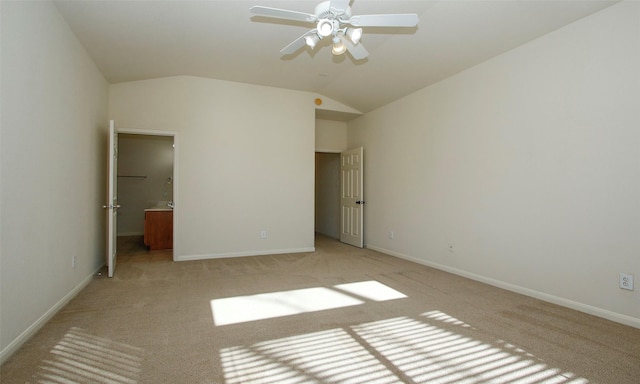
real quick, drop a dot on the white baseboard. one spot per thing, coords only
(131, 234)
(242, 254)
(33, 328)
(599, 312)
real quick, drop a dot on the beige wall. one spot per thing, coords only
(523, 171)
(245, 161)
(53, 163)
(331, 136)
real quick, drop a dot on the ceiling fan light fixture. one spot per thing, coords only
(338, 47)
(354, 34)
(312, 40)
(325, 27)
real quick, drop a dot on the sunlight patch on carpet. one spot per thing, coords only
(320, 357)
(429, 354)
(417, 349)
(80, 357)
(239, 309)
(443, 317)
(372, 290)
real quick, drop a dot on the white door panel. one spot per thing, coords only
(112, 199)
(352, 197)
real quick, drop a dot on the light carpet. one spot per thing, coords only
(337, 315)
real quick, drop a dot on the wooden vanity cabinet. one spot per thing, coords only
(158, 229)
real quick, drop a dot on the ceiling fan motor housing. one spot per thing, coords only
(323, 11)
(329, 19)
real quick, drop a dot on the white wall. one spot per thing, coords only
(527, 165)
(331, 136)
(145, 171)
(54, 104)
(245, 161)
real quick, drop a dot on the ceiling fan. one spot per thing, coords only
(334, 20)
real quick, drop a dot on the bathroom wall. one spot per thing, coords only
(145, 171)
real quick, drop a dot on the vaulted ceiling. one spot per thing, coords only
(221, 39)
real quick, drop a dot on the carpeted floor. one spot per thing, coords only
(337, 315)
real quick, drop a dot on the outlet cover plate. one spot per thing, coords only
(626, 281)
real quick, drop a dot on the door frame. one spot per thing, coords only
(175, 185)
(340, 187)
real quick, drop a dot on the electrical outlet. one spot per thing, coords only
(450, 247)
(74, 262)
(392, 235)
(263, 234)
(626, 281)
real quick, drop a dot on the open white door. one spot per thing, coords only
(352, 197)
(112, 198)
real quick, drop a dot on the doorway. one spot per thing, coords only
(146, 188)
(339, 193)
(327, 194)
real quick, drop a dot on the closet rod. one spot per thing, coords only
(135, 177)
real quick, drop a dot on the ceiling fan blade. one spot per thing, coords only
(339, 6)
(296, 44)
(391, 20)
(357, 51)
(283, 14)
